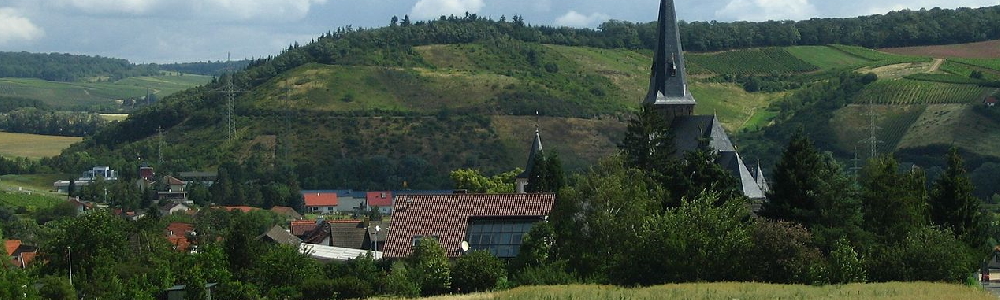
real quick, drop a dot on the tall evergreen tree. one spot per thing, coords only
(547, 175)
(893, 202)
(648, 143)
(953, 206)
(795, 183)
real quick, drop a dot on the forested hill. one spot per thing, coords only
(68, 67)
(211, 68)
(402, 105)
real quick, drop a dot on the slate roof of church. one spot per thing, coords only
(536, 149)
(667, 83)
(691, 131)
(447, 217)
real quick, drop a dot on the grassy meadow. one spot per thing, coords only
(33, 146)
(742, 291)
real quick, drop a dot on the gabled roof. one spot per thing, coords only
(990, 99)
(380, 199)
(287, 212)
(320, 198)
(301, 228)
(11, 246)
(446, 217)
(347, 234)
(690, 132)
(170, 180)
(281, 236)
(731, 161)
(179, 229)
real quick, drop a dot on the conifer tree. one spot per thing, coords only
(648, 143)
(953, 206)
(792, 194)
(893, 202)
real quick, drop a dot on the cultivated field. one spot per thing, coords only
(742, 291)
(987, 49)
(32, 145)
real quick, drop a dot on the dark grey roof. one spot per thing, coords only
(731, 161)
(348, 234)
(691, 131)
(281, 236)
(667, 84)
(536, 149)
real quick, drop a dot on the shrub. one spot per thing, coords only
(398, 282)
(236, 290)
(350, 287)
(477, 271)
(430, 266)
(782, 252)
(844, 264)
(318, 289)
(546, 274)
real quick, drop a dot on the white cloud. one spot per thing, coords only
(575, 19)
(223, 10)
(430, 9)
(14, 26)
(763, 10)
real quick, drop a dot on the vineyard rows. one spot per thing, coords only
(904, 92)
(881, 58)
(752, 62)
(993, 64)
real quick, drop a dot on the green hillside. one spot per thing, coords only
(101, 95)
(347, 111)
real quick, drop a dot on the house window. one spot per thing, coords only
(418, 238)
(502, 237)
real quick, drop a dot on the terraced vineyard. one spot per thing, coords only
(764, 61)
(879, 58)
(904, 92)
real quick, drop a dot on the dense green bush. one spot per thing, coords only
(845, 265)
(782, 253)
(398, 282)
(430, 267)
(477, 271)
(554, 273)
(350, 287)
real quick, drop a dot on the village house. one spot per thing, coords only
(493, 222)
(320, 202)
(20, 255)
(382, 200)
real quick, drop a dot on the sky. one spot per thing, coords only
(164, 31)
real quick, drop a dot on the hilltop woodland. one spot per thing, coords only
(285, 117)
(682, 219)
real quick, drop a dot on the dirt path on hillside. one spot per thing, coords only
(936, 65)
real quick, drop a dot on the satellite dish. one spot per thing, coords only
(377, 228)
(465, 246)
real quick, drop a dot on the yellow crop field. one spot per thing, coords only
(743, 291)
(32, 145)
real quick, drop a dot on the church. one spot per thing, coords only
(669, 96)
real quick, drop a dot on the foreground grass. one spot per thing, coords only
(33, 146)
(742, 291)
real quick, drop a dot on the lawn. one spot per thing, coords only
(33, 146)
(742, 291)
(736, 108)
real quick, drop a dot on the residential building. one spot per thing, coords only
(320, 202)
(382, 200)
(20, 255)
(492, 222)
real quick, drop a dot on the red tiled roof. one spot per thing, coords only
(320, 199)
(447, 216)
(286, 211)
(11, 246)
(300, 228)
(173, 181)
(991, 100)
(176, 233)
(239, 208)
(380, 199)
(28, 257)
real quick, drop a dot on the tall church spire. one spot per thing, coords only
(536, 149)
(667, 85)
